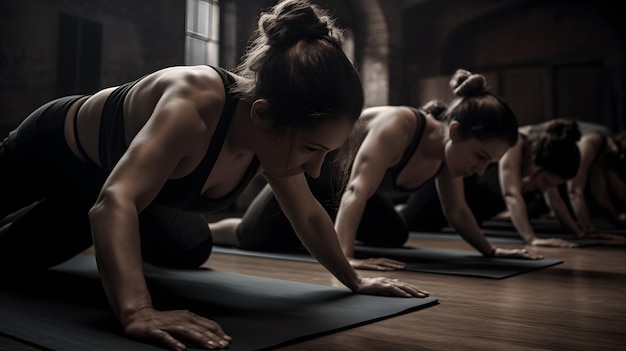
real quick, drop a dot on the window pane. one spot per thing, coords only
(202, 38)
(213, 56)
(203, 19)
(191, 18)
(196, 52)
(215, 21)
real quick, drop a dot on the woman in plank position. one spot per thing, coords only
(131, 169)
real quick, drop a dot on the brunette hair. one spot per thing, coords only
(296, 62)
(481, 114)
(554, 148)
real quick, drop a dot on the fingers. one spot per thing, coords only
(377, 264)
(172, 329)
(393, 287)
(386, 264)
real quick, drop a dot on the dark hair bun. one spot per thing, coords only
(292, 21)
(466, 83)
(565, 130)
(435, 107)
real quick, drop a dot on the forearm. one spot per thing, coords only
(347, 222)
(320, 239)
(519, 217)
(465, 224)
(563, 215)
(115, 232)
(579, 205)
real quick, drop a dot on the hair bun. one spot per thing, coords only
(292, 21)
(565, 130)
(435, 108)
(466, 83)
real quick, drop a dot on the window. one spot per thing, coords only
(202, 38)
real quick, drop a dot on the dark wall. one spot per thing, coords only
(549, 58)
(50, 48)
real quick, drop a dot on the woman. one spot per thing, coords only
(542, 159)
(398, 149)
(131, 165)
(602, 161)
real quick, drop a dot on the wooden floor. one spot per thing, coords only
(577, 305)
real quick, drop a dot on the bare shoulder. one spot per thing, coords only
(399, 118)
(592, 139)
(199, 87)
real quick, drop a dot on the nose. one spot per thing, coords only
(313, 167)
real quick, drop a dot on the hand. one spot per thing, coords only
(553, 242)
(386, 286)
(172, 329)
(517, 253)
(605, 236)
(376, 264)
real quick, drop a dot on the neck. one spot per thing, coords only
(241, 137)
(437, 140)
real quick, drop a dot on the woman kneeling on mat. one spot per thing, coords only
(397, 148)
(132, 169)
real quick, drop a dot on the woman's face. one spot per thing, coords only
(541, 180)
(295, 151)
(469, 156)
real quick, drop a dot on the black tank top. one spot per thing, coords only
(183, 193)
(389, 181)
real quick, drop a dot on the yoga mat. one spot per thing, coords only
(66, 309)
(511, 236)
(441, 261)
(551, 226)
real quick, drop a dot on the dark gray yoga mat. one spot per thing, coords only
(508, 236)
(441, 261)
(66, 309)
(551, 226)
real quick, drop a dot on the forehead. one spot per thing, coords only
(495, 148)
(330, 134)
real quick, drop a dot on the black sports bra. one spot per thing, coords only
(184, 193)
(389, 181)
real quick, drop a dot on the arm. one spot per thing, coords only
(381, 148)
(452, 196)
(555, 202)
(618, 187)
(152, 157)
(511, 185)
(315, 229)
(589, 147)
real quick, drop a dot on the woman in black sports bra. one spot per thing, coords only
(133, 168)
(397, 148)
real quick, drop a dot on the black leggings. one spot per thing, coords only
(39, 172)
(264, 227)
(423, 211)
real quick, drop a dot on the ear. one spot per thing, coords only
(259, 114)
(454, 132)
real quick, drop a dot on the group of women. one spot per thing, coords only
(132, 169)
